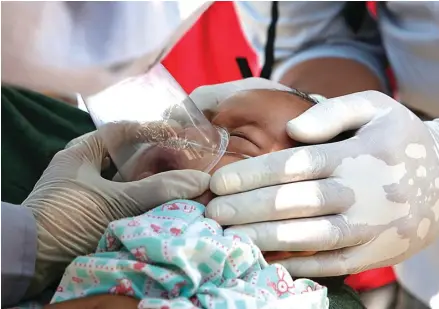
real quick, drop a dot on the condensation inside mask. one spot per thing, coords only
(149, 125)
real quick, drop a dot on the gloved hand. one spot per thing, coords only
(369, 201)
(209, 97)
(73, 204)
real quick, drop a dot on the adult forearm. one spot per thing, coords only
(314, 48)
(331, 77)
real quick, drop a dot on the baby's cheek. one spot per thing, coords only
(225, 160)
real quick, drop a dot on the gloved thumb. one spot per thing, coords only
(329, 118)
(163, 187)
(113, 138)
(86, 149)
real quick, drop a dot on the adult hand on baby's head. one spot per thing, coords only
(369, 201)
(73, 204)
(209, 97)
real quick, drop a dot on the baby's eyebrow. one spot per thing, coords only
(303, 95)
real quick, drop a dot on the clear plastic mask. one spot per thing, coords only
(159, 124)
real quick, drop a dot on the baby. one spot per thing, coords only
(256, 123)
(173, 257)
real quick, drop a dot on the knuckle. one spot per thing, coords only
(318, 158)
(320, 195)
(336, 196)
(309, 162)
(340, 230)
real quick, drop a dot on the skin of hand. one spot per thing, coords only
(97, 302)
(73, 204)
(369, 201)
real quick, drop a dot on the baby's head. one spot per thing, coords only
(256, 121)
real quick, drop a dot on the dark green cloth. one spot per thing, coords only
(35, 127)
(340, 295)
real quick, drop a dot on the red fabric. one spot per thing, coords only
(206, 54)
(371, 279)
(372, 7)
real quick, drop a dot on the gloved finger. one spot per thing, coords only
(88, 149)
(126, 141)
(293, 200)
(119, 139)
(160, 188)
(208, 97)
(327, 119)
(291, 165)
(94, 147)
(310, 234)
(122, 141)
(340, 262)
(106, 162)
(78, 139)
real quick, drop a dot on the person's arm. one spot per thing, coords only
(19, 247)
(314, 48)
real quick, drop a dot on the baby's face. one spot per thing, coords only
(256, 121)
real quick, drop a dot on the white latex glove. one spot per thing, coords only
(209, 97)
(73, 204)
(369, 201)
